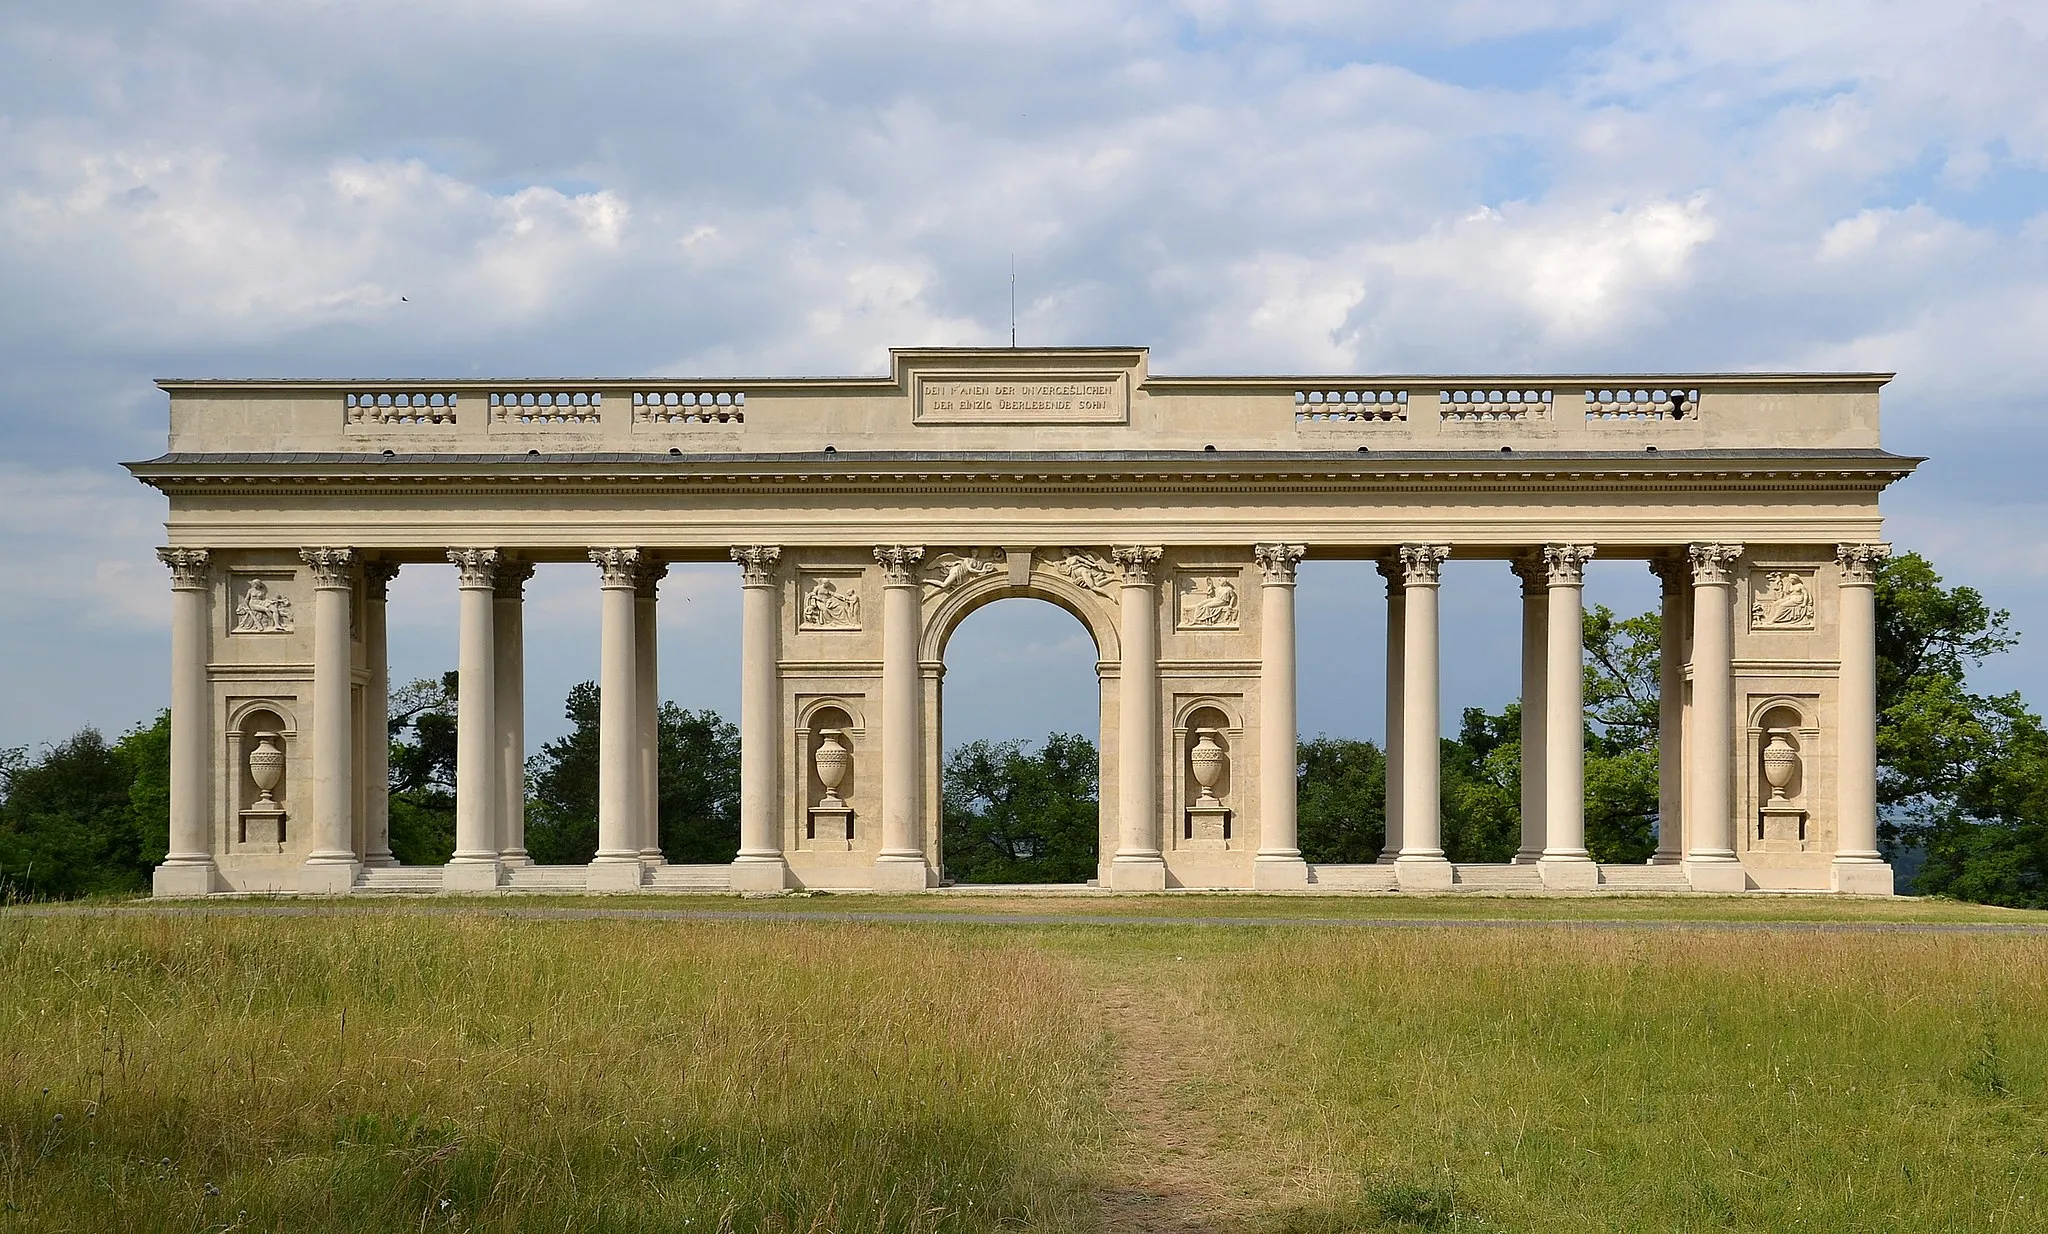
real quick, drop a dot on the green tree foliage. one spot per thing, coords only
(1013, 815)
(699, 806)
(1341, 808)
(1482, 786)
(1622, 660)
(1964, 774)
(86, 816)
(421, 729)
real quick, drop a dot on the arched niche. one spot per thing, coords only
(1780, 766)
(262, 754)
(838, 788)
(1208, 743)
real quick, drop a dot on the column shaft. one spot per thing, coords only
(1711, 865)
(1535, 712)
(331, 865)
(474, 866)
(617, 864)
(1279, 862)
(647, 659)
(900, 866)
(1138, 865)
(1858, 866)
(1565, 861)
(1670, 715)
(188, 868)
(760, 865)
(1421, 863)
(377, 576)
(1397, 637)
(509, 624)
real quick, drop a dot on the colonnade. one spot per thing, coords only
(1697, 762)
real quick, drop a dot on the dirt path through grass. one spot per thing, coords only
(1168, 1168)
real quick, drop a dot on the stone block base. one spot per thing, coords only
(330, 878)
(614, 875)
(1139, 875)
(1569, 875)
(759, 877)
(182, 881)
(1720, 877)
(900, 876)
(461, 875)
(1279, 873)
(1861, 878)
(1424, 874)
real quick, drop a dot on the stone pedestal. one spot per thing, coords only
(759, 875)
(328, 877)
(1719, 877)
(1137, 874)
(181, 881)
(900, 876)
(1861, 878)
(1783, 829)
(1208, 828)
(1424, 874)
(1568, 874)
(1279, 873)
(620, 874)
(470, 876)
(831, 829)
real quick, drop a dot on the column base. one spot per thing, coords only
(470, 875)
(183, 880)
(1718, 877)
(1569, 873)
(1387, 857)
(379, 861)
(758, 875)
(1666, 859)
(896, 874)
(1527, 857)
(613, 874)
(652, 857)
(1279, 873)
(1861, 878)
(1424, 874)
(328, 878)
(517, 858)
(1137, 874)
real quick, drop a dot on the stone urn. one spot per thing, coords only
(266, 767)
(832, 760)
(1208, 761)
(1781, 763)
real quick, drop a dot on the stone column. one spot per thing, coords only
(1138, 865)
(1421, 864)
(1670, 571)
(1565, 862)
(1535, 578)
(760, 865)
(647, 656)
(1279, 862)
(1397, 637)
(331, 865)
(188, 868)
(617, 864)
(1858, 866)
(377, 576)
(900, 866)
(509, 620)
(474, 867)
(1711, 865)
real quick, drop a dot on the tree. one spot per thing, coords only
(698, 810)
(1011, 815)
(421, 728)
(1341, 792)
(87, 816)
(1622, 705)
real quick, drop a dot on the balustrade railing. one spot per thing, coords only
(1492, 405)
(682, 407)
(1350, 405)
(547, 407)
(1660, 403)
(386, 407)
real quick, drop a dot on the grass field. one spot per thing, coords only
(434, 1067)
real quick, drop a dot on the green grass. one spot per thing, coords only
(452, 1067)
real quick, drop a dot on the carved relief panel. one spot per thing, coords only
(261, 603)
(1781, 598)
(1206, 600)
(829, 599)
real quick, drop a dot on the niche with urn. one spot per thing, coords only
(1206, 742)
(260, 753)
(830, 744)
(1782, 744)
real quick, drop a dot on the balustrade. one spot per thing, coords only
(1665, 403)
(690, 407)
(405, 407)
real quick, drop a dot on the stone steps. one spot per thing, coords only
(1497, 877)
(1644, 878)
(564, 880)
(1352, 877)
(398, 880)
(690, 878)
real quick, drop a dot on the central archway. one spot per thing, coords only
(1011, 803)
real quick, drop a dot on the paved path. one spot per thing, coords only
(845, 916)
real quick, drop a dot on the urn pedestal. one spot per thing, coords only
(261, 827)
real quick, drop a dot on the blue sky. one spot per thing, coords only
(543, 187)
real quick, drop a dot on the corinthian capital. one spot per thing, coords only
(377, 576)
(617, 567)
(190, 567)
(1860, 562)
(757, 563)
(475, 568)
(899, 562)
(1277, 561)
(648, 581)
(331, 567)
(510, 581)
(1136, 560)
(1422, 565)
(1565, 564)
(1711, 562)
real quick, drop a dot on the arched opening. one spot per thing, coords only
(1019, 731)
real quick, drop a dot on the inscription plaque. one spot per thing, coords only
(1001, 398)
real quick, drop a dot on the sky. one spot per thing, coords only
(289, 188)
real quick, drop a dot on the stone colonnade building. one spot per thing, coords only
(868, 516)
